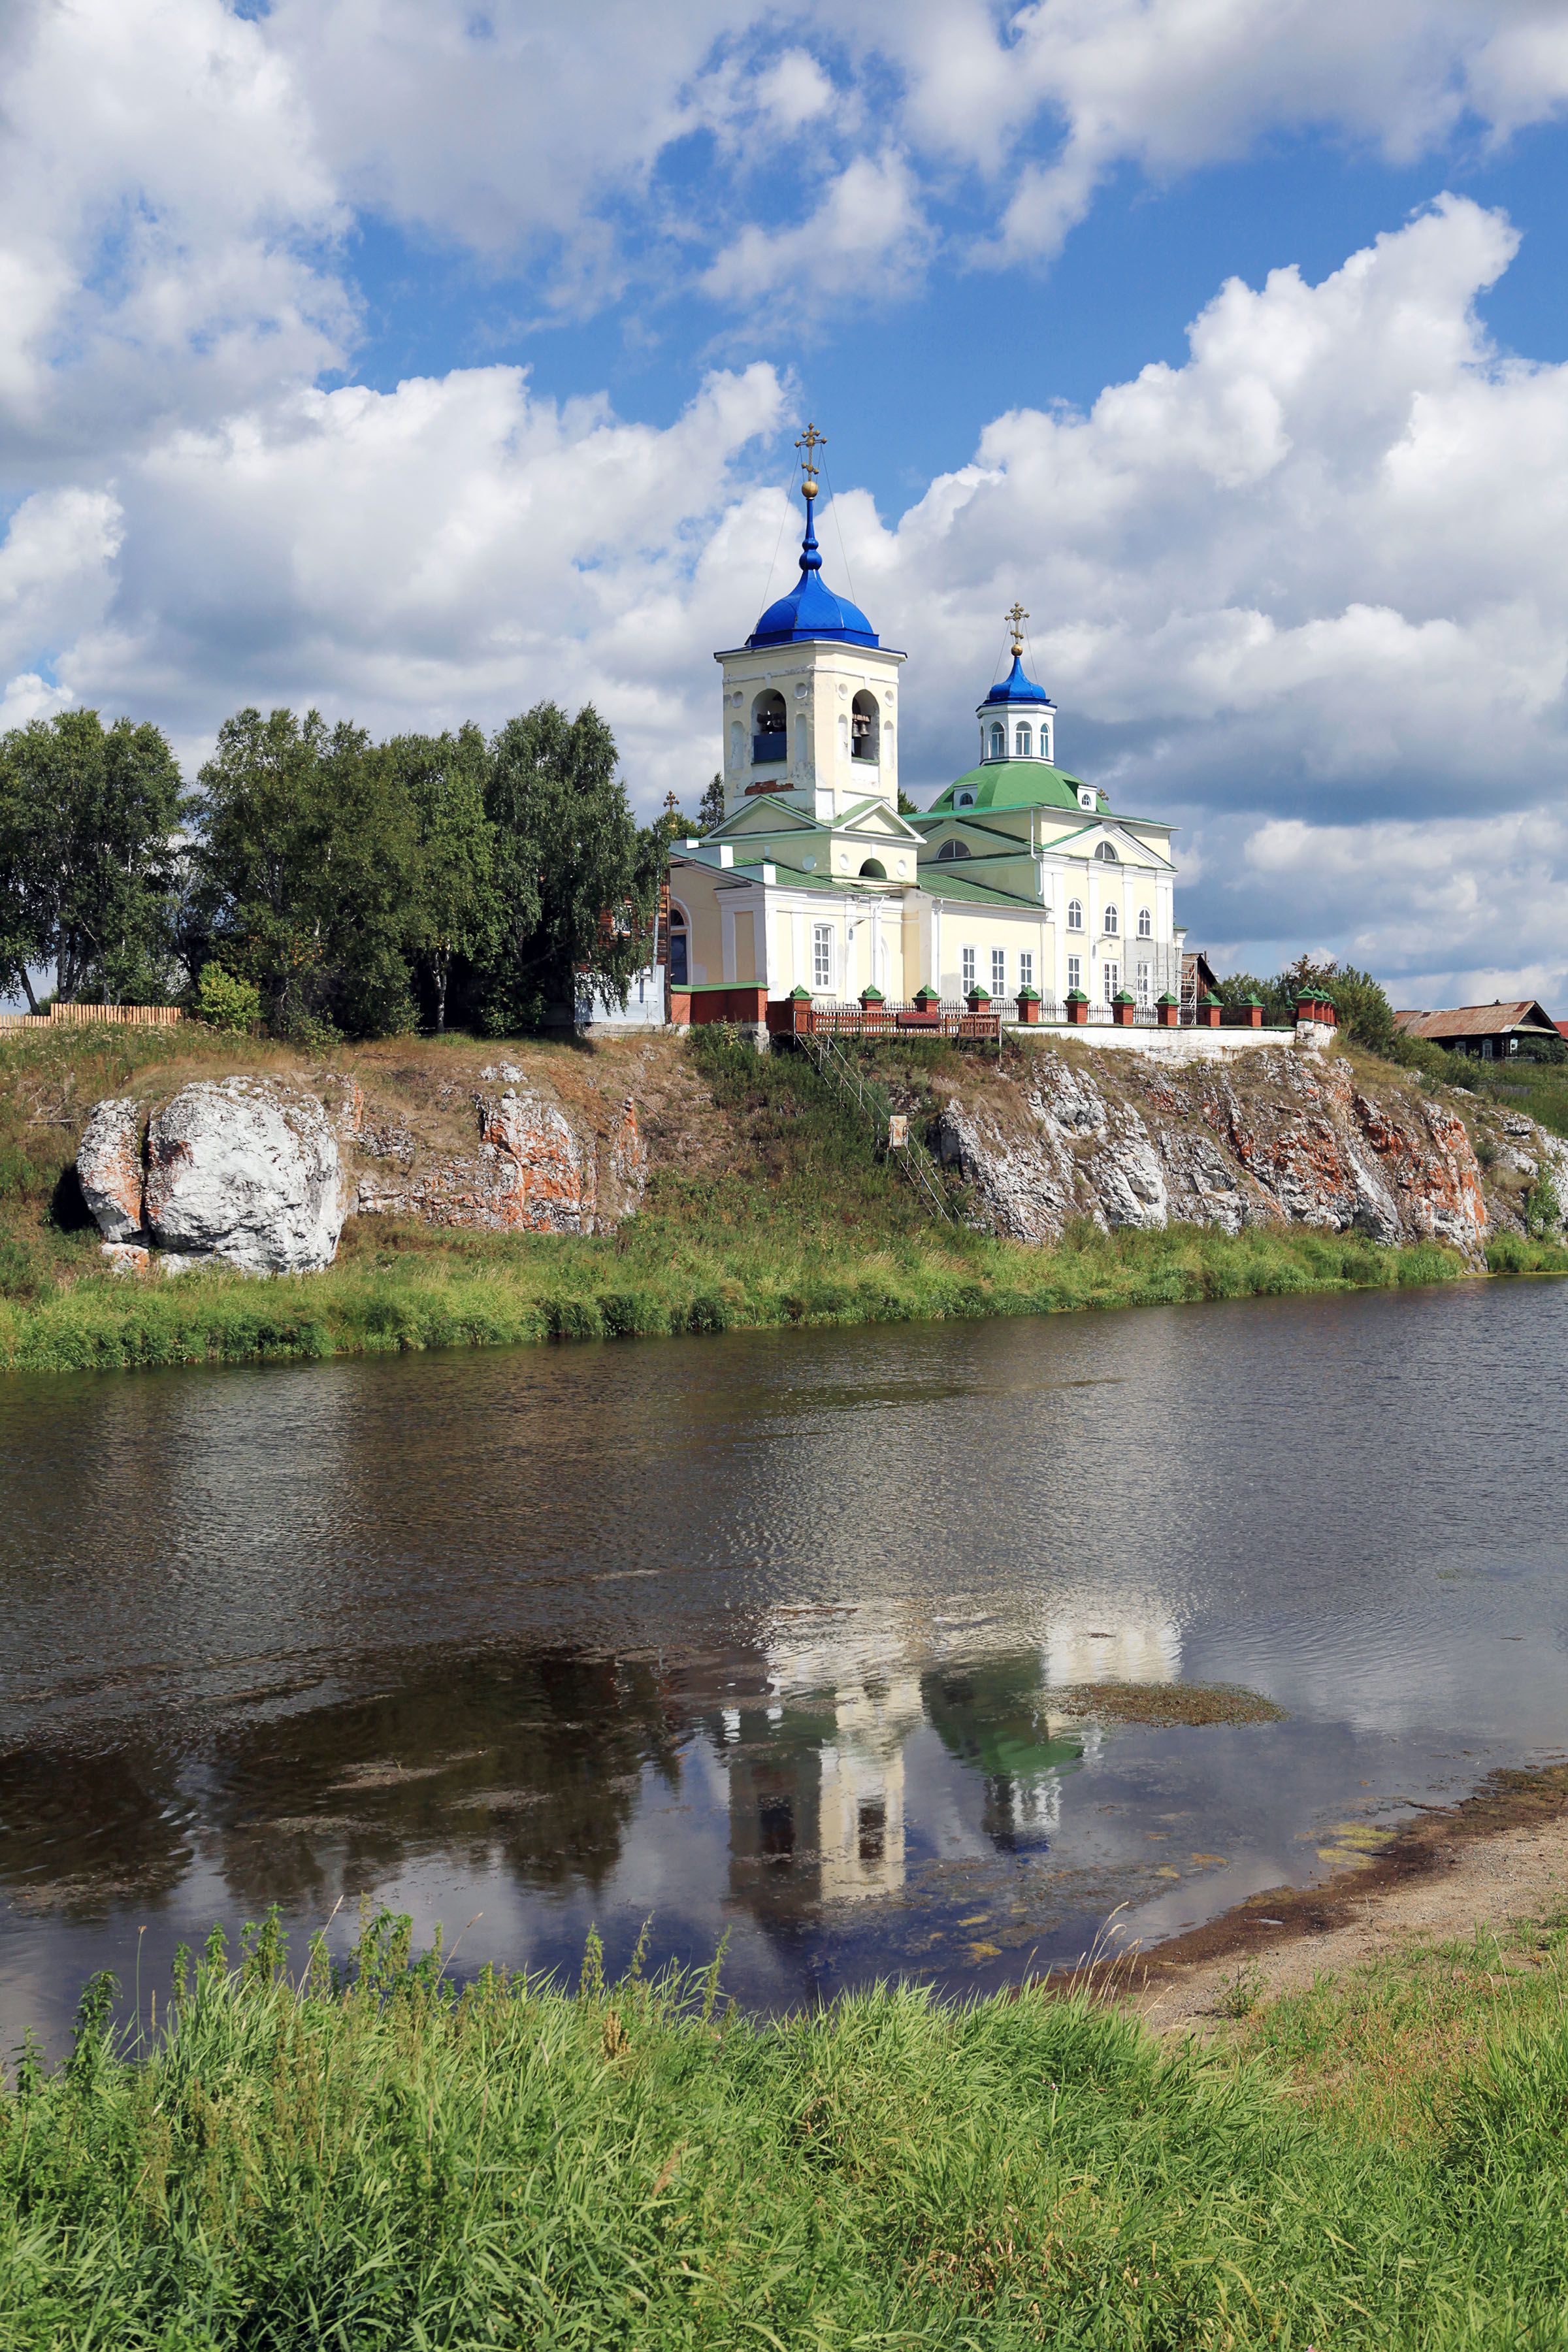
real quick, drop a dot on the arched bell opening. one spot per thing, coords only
(863, 727)
(770, 729)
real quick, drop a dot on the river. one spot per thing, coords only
(758, 1636)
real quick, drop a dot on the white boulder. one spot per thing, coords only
(245, 1171)
(108, 1169)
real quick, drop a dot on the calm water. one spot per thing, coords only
(760, 1634)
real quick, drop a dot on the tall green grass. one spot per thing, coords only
(382, 2161)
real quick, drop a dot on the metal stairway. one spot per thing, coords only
(911, 1159)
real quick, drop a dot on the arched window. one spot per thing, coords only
(770, 729)
(953, 849)
(1145, 926)
(1106, 853)
(1074, 915)
(998, 741)
(963, 800)
(873, 870)
(677, 966)
(863, 716)
(1023, 743)
(1110, 922)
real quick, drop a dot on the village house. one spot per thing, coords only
(1020, 886)
(1491, 1030)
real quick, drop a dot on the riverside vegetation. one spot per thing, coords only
(370, 2156)
(800, 1224)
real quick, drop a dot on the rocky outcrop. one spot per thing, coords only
(1293, 1140)
(108, 1169)
(236, 1170)
(244, 1171)
(532, 1171)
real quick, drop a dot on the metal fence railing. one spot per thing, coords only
(911, 1157)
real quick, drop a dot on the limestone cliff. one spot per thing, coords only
(1274, 1137)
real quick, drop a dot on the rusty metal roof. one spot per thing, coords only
(1477, 1020)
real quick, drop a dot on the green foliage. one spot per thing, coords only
(1543, 1210)
(1366, 1015)
(86, 864)
(907, 807)
(442, 780)
(225, 1003)
(566, 870)
(371, 2156)
(710, 808)
(305, 877)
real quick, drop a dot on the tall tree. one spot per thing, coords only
(442, 778)
(565, 866)
(710, 807)
(305, 875)
(87, 815)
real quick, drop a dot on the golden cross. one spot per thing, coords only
(811, 441)
(1016, 620)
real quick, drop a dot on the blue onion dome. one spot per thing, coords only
(811, 609)
(1016, 687)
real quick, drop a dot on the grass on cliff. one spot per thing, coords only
(806, 1226)
(385, 2161)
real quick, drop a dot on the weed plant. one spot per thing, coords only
(370, 2158)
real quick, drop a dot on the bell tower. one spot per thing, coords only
(811, 699)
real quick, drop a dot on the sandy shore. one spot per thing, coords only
(1500, 1854)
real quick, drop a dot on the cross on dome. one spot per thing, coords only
(812, 610)
(1016, 620)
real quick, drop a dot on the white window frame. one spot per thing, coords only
(1113, 980)
(998, 972)
(967, 965)
(1074, 973)
(1145, 983)
(1024, 742)
(1145, 924)
(1074, 915)
(998, 740)
(1026, 968)
(822, 959)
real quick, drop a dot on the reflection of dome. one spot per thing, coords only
(811, 609)
(994, 1718)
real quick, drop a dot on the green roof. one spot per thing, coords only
(1014, 783)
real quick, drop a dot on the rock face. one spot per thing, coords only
(1295, 1140)
(109, 1169)
(532, 1171)
(247, 1171)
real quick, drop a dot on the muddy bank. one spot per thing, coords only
(1499, 1855)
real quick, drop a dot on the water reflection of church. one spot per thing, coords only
(820, 1765)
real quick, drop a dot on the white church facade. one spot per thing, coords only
(1020, 885)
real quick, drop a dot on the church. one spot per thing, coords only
(1020, 884)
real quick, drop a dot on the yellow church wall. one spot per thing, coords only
(746, 948)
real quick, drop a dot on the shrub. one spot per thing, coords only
(225, 1003)
(1543, 1210)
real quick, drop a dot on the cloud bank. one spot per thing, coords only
(1302, 593)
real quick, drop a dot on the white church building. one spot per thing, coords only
(1020, 887)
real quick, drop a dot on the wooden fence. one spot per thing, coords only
(83, 1016)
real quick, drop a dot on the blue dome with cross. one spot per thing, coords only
(811, 609)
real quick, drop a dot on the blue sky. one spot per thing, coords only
(419, 360)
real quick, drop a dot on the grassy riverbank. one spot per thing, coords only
(791, 1221)
(385, 2163)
